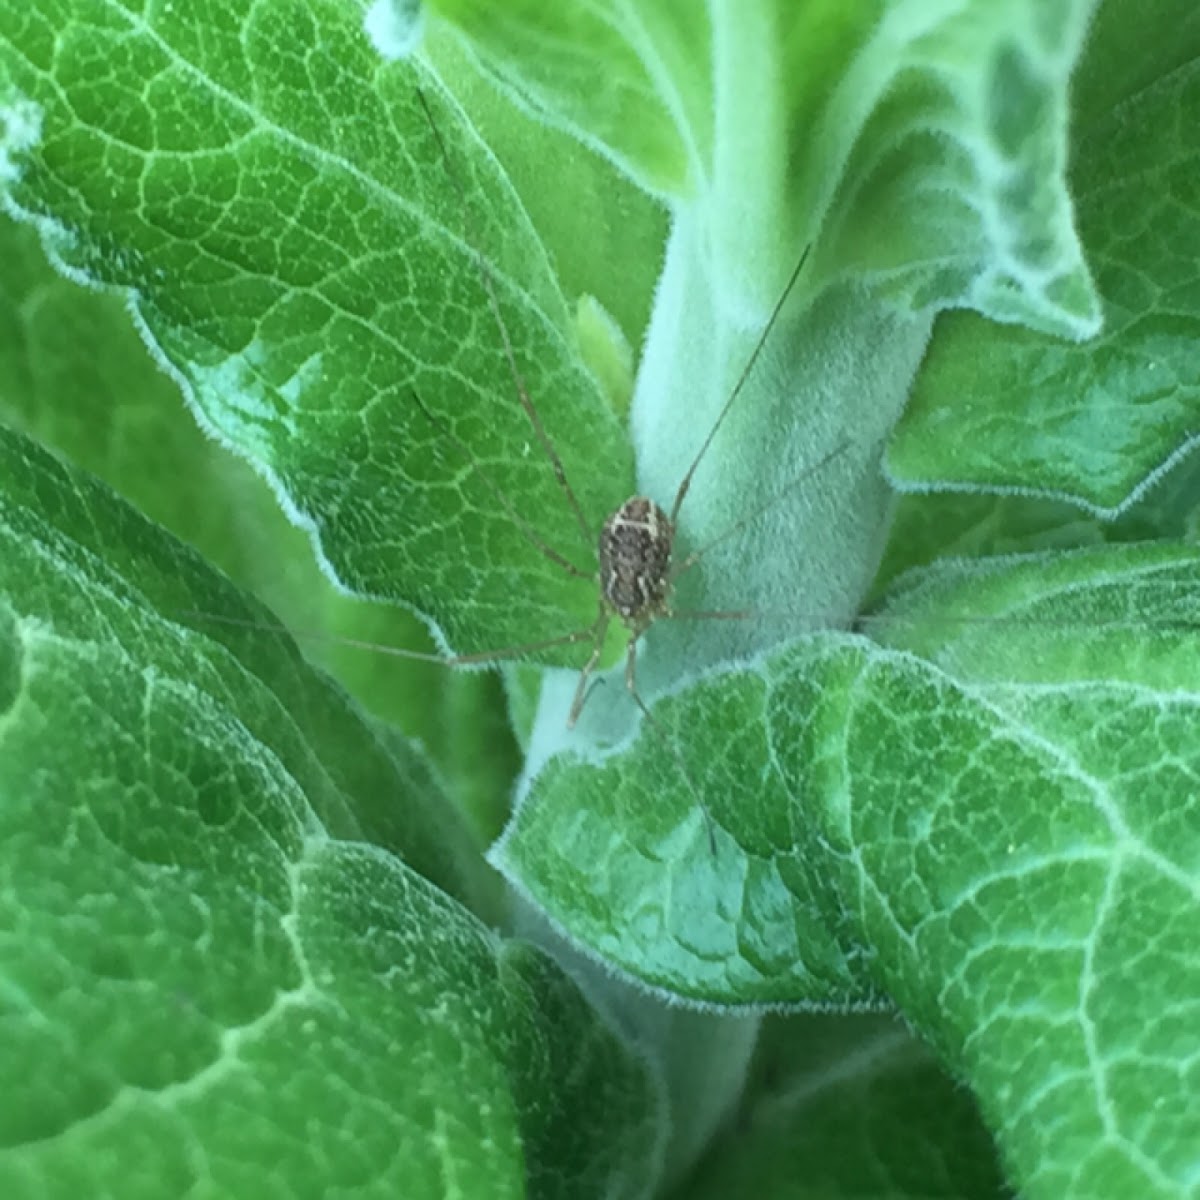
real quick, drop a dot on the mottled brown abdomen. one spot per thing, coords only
(635, 561)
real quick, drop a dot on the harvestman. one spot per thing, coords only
(636, 572)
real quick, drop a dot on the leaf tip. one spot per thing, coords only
(1061, 303)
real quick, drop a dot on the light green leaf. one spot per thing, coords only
(629, 79)
(1011, 409)
(603, 234)
(74, 374)
(321, 270)
(933, 526)
(68, 538)
(210, 991)
(618, 855)
(931, 137)
(984, 834)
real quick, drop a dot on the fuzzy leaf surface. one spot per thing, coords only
(299, 251)
(979, 816)
(221, 982)
(1011, 409)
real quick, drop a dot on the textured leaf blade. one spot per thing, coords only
(1004, 929)
(211, 990)
(618, 855)
(75, 375)
(984, 840)
(1002, 408)
(302, 260)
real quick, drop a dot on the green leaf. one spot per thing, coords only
(602, 233)
(74, 373)
(618, 854)
(597, 70)
(324, 268)
(934, 140)
(984, 833)
(1013, 409)
(211, 991)
(932, 525)
(289, 235)
(927, 528)
(67, 538)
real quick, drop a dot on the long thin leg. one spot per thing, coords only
(338, 639)
(653, 722)
(862, 623)
(686, 483)
(581, 689)
(752, 516)
(518, 519)
(489, 287)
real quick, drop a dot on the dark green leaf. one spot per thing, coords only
(986, 833)
(211, 990)
(323, 268)
(999, 408)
